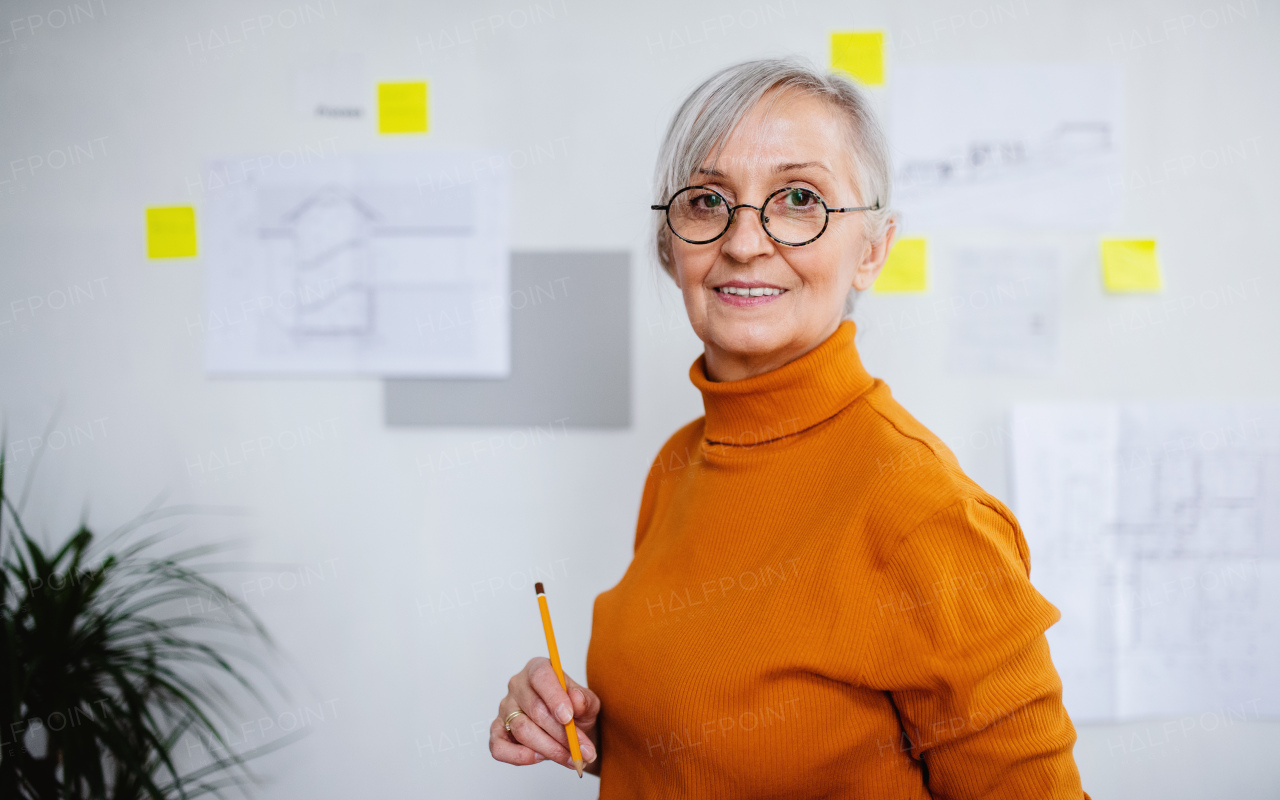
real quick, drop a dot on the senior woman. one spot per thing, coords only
(820, 602)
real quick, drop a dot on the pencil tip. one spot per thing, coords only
(537, 588)
(577, 764)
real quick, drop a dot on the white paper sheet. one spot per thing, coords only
(1065, 495)
(1033, 146)
(365, 265)
(1155, 529)
(1006, 310)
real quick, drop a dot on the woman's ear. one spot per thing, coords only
(874, 256)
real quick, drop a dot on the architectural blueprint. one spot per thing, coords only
(1155, 530)
(376, 265)
(1034, 146)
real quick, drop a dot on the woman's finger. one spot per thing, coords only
(532, 735)
(586, 704)
(586, 707)
(507, 750)
(543, 680)
(528, 701)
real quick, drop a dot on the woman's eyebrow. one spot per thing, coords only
(789, 167)
(805, 165)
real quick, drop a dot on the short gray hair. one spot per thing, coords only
(713, 110)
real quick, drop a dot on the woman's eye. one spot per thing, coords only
(799, 197)
(708, 201)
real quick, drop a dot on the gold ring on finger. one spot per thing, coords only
(506, 723)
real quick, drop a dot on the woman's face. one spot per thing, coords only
(798, 142)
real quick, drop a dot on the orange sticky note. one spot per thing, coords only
(860, 54)
(402, 107)
(171, 232)
(1130, 265)
(906, 269)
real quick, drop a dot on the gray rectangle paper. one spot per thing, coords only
(570, 353)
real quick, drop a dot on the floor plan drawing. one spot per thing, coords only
(1155, 529)
(324, 241)
(352, 266)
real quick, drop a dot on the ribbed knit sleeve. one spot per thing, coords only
(958, 642)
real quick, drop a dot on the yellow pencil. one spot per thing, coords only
(569, 729)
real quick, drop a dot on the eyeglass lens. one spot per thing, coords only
(792, 215)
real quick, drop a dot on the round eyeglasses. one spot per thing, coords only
(792, 215)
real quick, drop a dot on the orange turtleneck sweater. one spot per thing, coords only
(822, 604)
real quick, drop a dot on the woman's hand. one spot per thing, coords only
(539, 733)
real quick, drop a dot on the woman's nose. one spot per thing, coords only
(746, 238)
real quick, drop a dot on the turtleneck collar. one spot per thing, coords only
(794, 397)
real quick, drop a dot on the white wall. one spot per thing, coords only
(379, 538)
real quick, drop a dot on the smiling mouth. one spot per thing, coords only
(743, 291)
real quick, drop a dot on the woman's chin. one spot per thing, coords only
(746, 339)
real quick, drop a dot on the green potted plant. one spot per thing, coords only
(105, 670)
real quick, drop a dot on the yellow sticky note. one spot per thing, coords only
(1129, 265)
(402, 107)
(861, 54)
(171, 232)
(905, 269)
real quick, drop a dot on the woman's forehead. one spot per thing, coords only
(783, 133)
